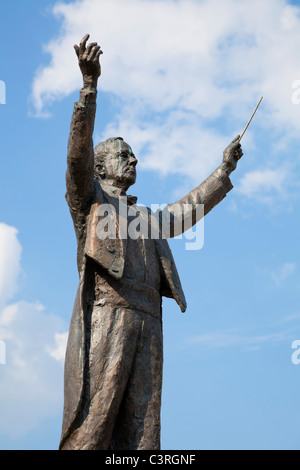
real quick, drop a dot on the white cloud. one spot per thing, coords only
(10, 255)
(264, 185)
(291, 318)
(59, 351)
(241, 339)
(280, 276)
(184, 72)
(177, 145)
(31, 381)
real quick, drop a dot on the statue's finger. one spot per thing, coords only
(93, 53)
(83, 43)
(76, 50)
(239, 154)
(88, 50)
(235, 146)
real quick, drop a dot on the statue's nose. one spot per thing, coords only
(133, 161)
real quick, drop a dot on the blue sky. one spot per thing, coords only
(179, 81)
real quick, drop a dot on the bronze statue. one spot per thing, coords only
(113, 367)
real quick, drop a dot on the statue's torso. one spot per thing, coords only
(139, 288)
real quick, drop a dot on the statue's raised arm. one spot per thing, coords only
(80, 169)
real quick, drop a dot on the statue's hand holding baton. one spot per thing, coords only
(234, 151)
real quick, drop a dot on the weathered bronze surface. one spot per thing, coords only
(114, 359)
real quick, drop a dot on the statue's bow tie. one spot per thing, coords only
(131, 200)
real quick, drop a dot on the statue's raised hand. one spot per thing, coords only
(232, 154)
(88, 59)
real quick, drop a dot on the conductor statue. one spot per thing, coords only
(114, 358)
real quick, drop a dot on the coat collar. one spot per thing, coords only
(118, 192)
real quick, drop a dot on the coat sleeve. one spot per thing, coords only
(178, 217)
(80, 164)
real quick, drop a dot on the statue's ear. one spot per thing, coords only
(99, 171)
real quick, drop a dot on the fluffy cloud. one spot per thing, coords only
(264, 185)
(181, 54)
(185, 74)
(31, 380)
(10, 255)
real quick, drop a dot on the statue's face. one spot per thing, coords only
(120, 165)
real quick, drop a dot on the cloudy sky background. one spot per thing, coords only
(180, 80)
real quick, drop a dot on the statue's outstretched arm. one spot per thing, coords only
(191, 208)
(80, 161)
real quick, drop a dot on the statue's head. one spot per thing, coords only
(115, 163)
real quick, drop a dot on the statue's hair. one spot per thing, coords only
(102, 150)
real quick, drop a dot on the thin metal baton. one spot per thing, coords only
(250, 119)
